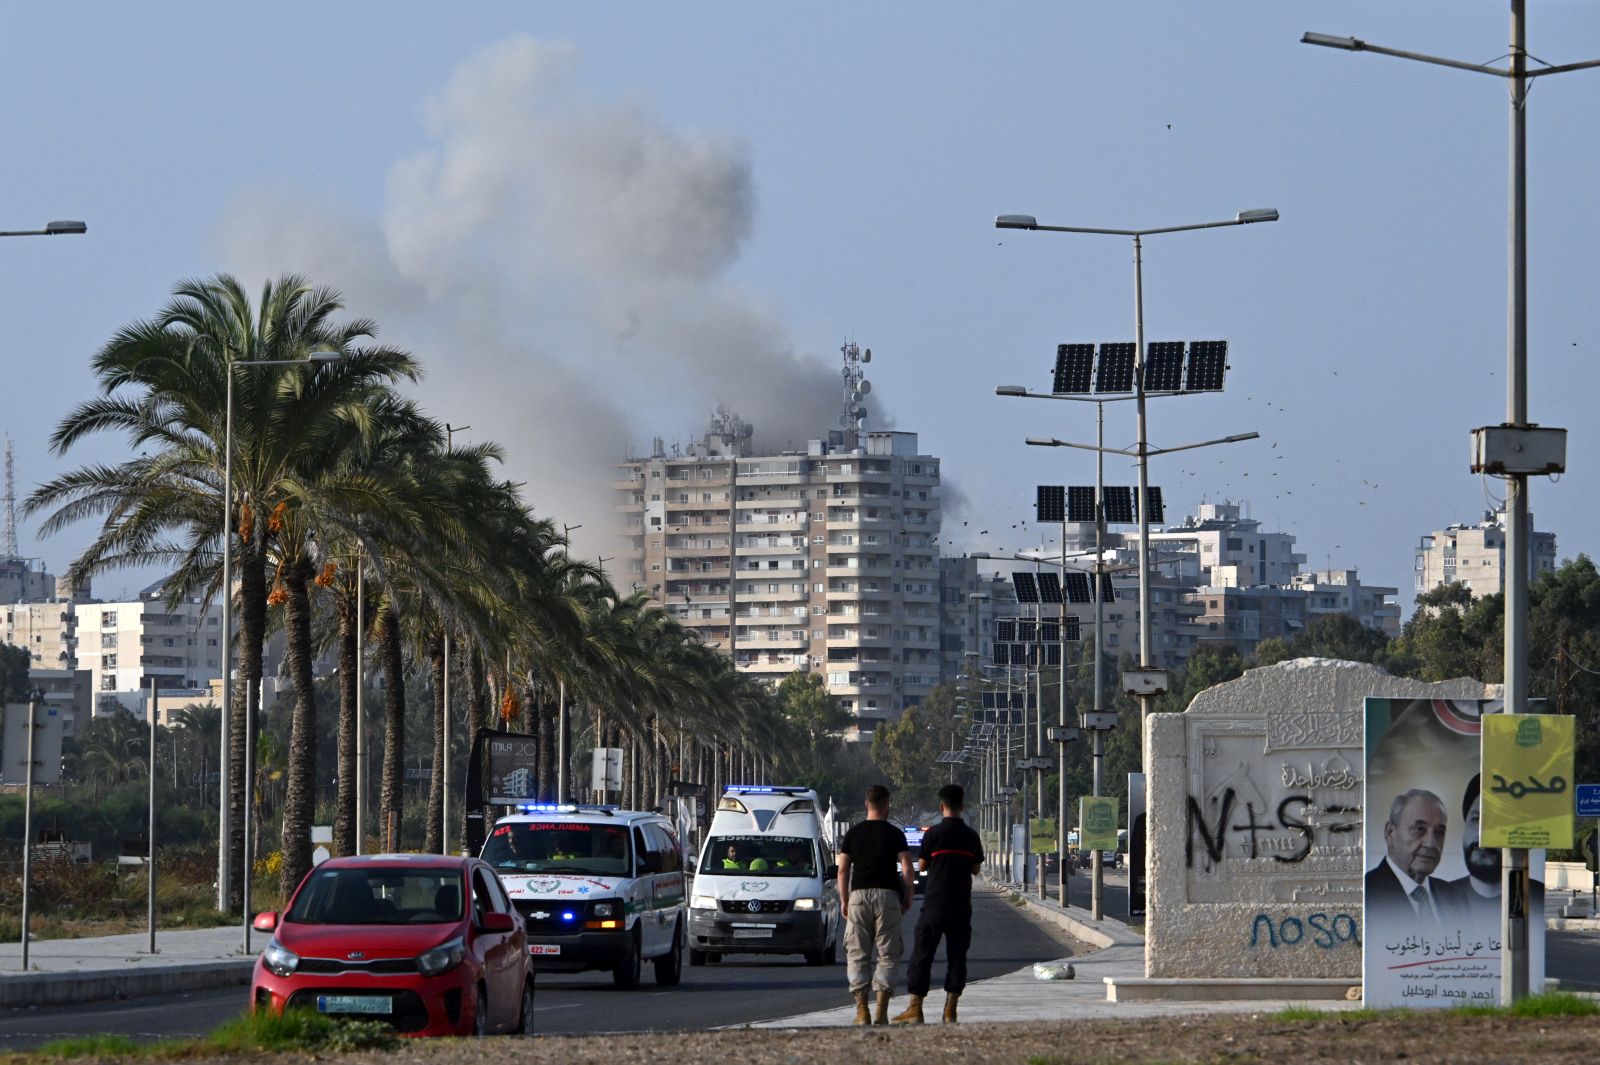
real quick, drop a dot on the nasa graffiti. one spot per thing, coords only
(1326, 931)
(1297, 815)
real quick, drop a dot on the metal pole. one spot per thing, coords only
(224, 829)
(1514, 976)
(1143, 448)
(1062, 748)
(361, 685)
(1038, 725)
(1097, 874)
(561, 741)
(150, 832)
(444, 780)
(733, 550)
(247, 867)
(34, 695)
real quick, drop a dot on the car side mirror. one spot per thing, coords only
(651, 862)
(266, 921)
(831, 873)
(497, 922)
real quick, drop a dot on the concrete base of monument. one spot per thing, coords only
(1181, 989)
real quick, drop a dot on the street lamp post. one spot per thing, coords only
(1142, 450)
(51, 229)
(1519, 534)
(224, 850)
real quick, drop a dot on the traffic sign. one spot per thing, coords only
(1589, 800)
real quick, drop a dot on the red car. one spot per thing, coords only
(426, 942)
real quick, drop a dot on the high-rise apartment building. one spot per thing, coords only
(832, 556)
(47, 631)
(123, 645)
(1475, 556)
(971, 598)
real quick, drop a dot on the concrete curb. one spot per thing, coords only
(1107, 932)
(63, 989)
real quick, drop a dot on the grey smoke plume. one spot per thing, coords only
(559, 264)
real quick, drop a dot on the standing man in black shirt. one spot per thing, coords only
(873, 895)
(951, 855)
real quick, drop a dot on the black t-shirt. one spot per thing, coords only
(874, 848)
(951, 848)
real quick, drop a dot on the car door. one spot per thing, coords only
(499, 950)
(666, 884)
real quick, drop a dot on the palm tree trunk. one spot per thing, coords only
(391, 799)
(344, 816)
(433, 840)
(246, 703)
(478, 703)
(300, 793)
(545, 738)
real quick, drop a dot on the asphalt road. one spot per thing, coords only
(742, 988)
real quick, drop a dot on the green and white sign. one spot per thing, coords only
(1042, 835)
(1097, 822)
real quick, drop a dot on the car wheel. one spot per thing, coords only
(625, 975)
(814, 957)
(525, 1012)
(669, 967)
(697, 958)
(480, 1013)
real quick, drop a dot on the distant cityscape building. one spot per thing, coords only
(1340, 591)
(123, 645)
(969, 603)
(1474, 556)
(834, 556)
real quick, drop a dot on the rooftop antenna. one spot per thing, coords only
(856, 386)
(8, 537)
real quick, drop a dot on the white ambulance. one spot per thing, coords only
(766, 882)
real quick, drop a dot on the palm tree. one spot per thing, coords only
(163, 382)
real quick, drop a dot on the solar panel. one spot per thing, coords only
(1080, 503)
(1119, 505)
(1071, 628)
(1052, 654)
(1153, 496)
(1114, 372)
(1049, 587)
(1027, 589)
(1005, 630)
(1051, 503)
(1002, 654)
(1073, 364)
(1163, 366)
(1027, 631)
(988, 700)
(1208, 361)
(1050, 631)
(1078, 588)
(1108, 593)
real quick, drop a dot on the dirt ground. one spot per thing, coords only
(1234, 1040)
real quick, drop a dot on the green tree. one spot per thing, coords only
(908, 749)
(14, 662)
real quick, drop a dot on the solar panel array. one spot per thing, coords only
(1027, 589)
(1005, 630)
(1153, 497)
(1050, 631)
(1049, 587)
(1051, 503)
(1006, 700)
(1074, 363)
(1078, 588)
(1114, 371)
(1071, 629)
(1167, 368)
(1027, 631)
(1163, 366)
(1119, 505)
(1208, 361)
(1080, 503)
(1108, 593)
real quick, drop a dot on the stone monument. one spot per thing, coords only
(1255, 821)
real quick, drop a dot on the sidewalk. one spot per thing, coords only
(63, 971)
(1020, 996)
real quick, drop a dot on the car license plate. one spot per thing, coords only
(355, 1004)
(544, 948)
(752, 933)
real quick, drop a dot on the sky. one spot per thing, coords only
(595, 222)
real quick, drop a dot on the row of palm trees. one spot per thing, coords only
(348, 502)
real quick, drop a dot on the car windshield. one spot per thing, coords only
(559, 847)
(768, 855)
(378, 895)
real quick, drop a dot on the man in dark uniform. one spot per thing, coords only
(951, 855)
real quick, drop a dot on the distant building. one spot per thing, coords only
(1340, 591)
(46, 630)
(24, 580)
(67, 689)
(1243, 617)
(972, 594)
(1475, 556)
(124, 645)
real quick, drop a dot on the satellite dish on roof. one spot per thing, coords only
(864, 387)
(861, 412)
(866, 356)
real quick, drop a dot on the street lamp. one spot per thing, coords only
(1515, 433)
(1142, 451)
(51, 229)
(223, 827)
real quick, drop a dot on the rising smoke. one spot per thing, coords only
(560, 266)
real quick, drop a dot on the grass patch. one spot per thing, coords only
(295, 1030)
(1549, 1004)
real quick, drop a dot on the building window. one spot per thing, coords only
(108, 639)
(108, 619)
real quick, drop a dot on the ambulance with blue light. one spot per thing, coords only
(597, 888)
(766, 882)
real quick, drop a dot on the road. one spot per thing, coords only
(739, 990)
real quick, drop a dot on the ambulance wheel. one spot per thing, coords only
(697, 958)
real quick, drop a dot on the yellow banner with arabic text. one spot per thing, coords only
(1527, 780)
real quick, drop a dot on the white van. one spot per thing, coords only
(766, 882)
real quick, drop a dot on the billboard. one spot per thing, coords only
(1528, 762)
(1097, 823)
(513, 773)
(50, 727)
(1431, 935)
